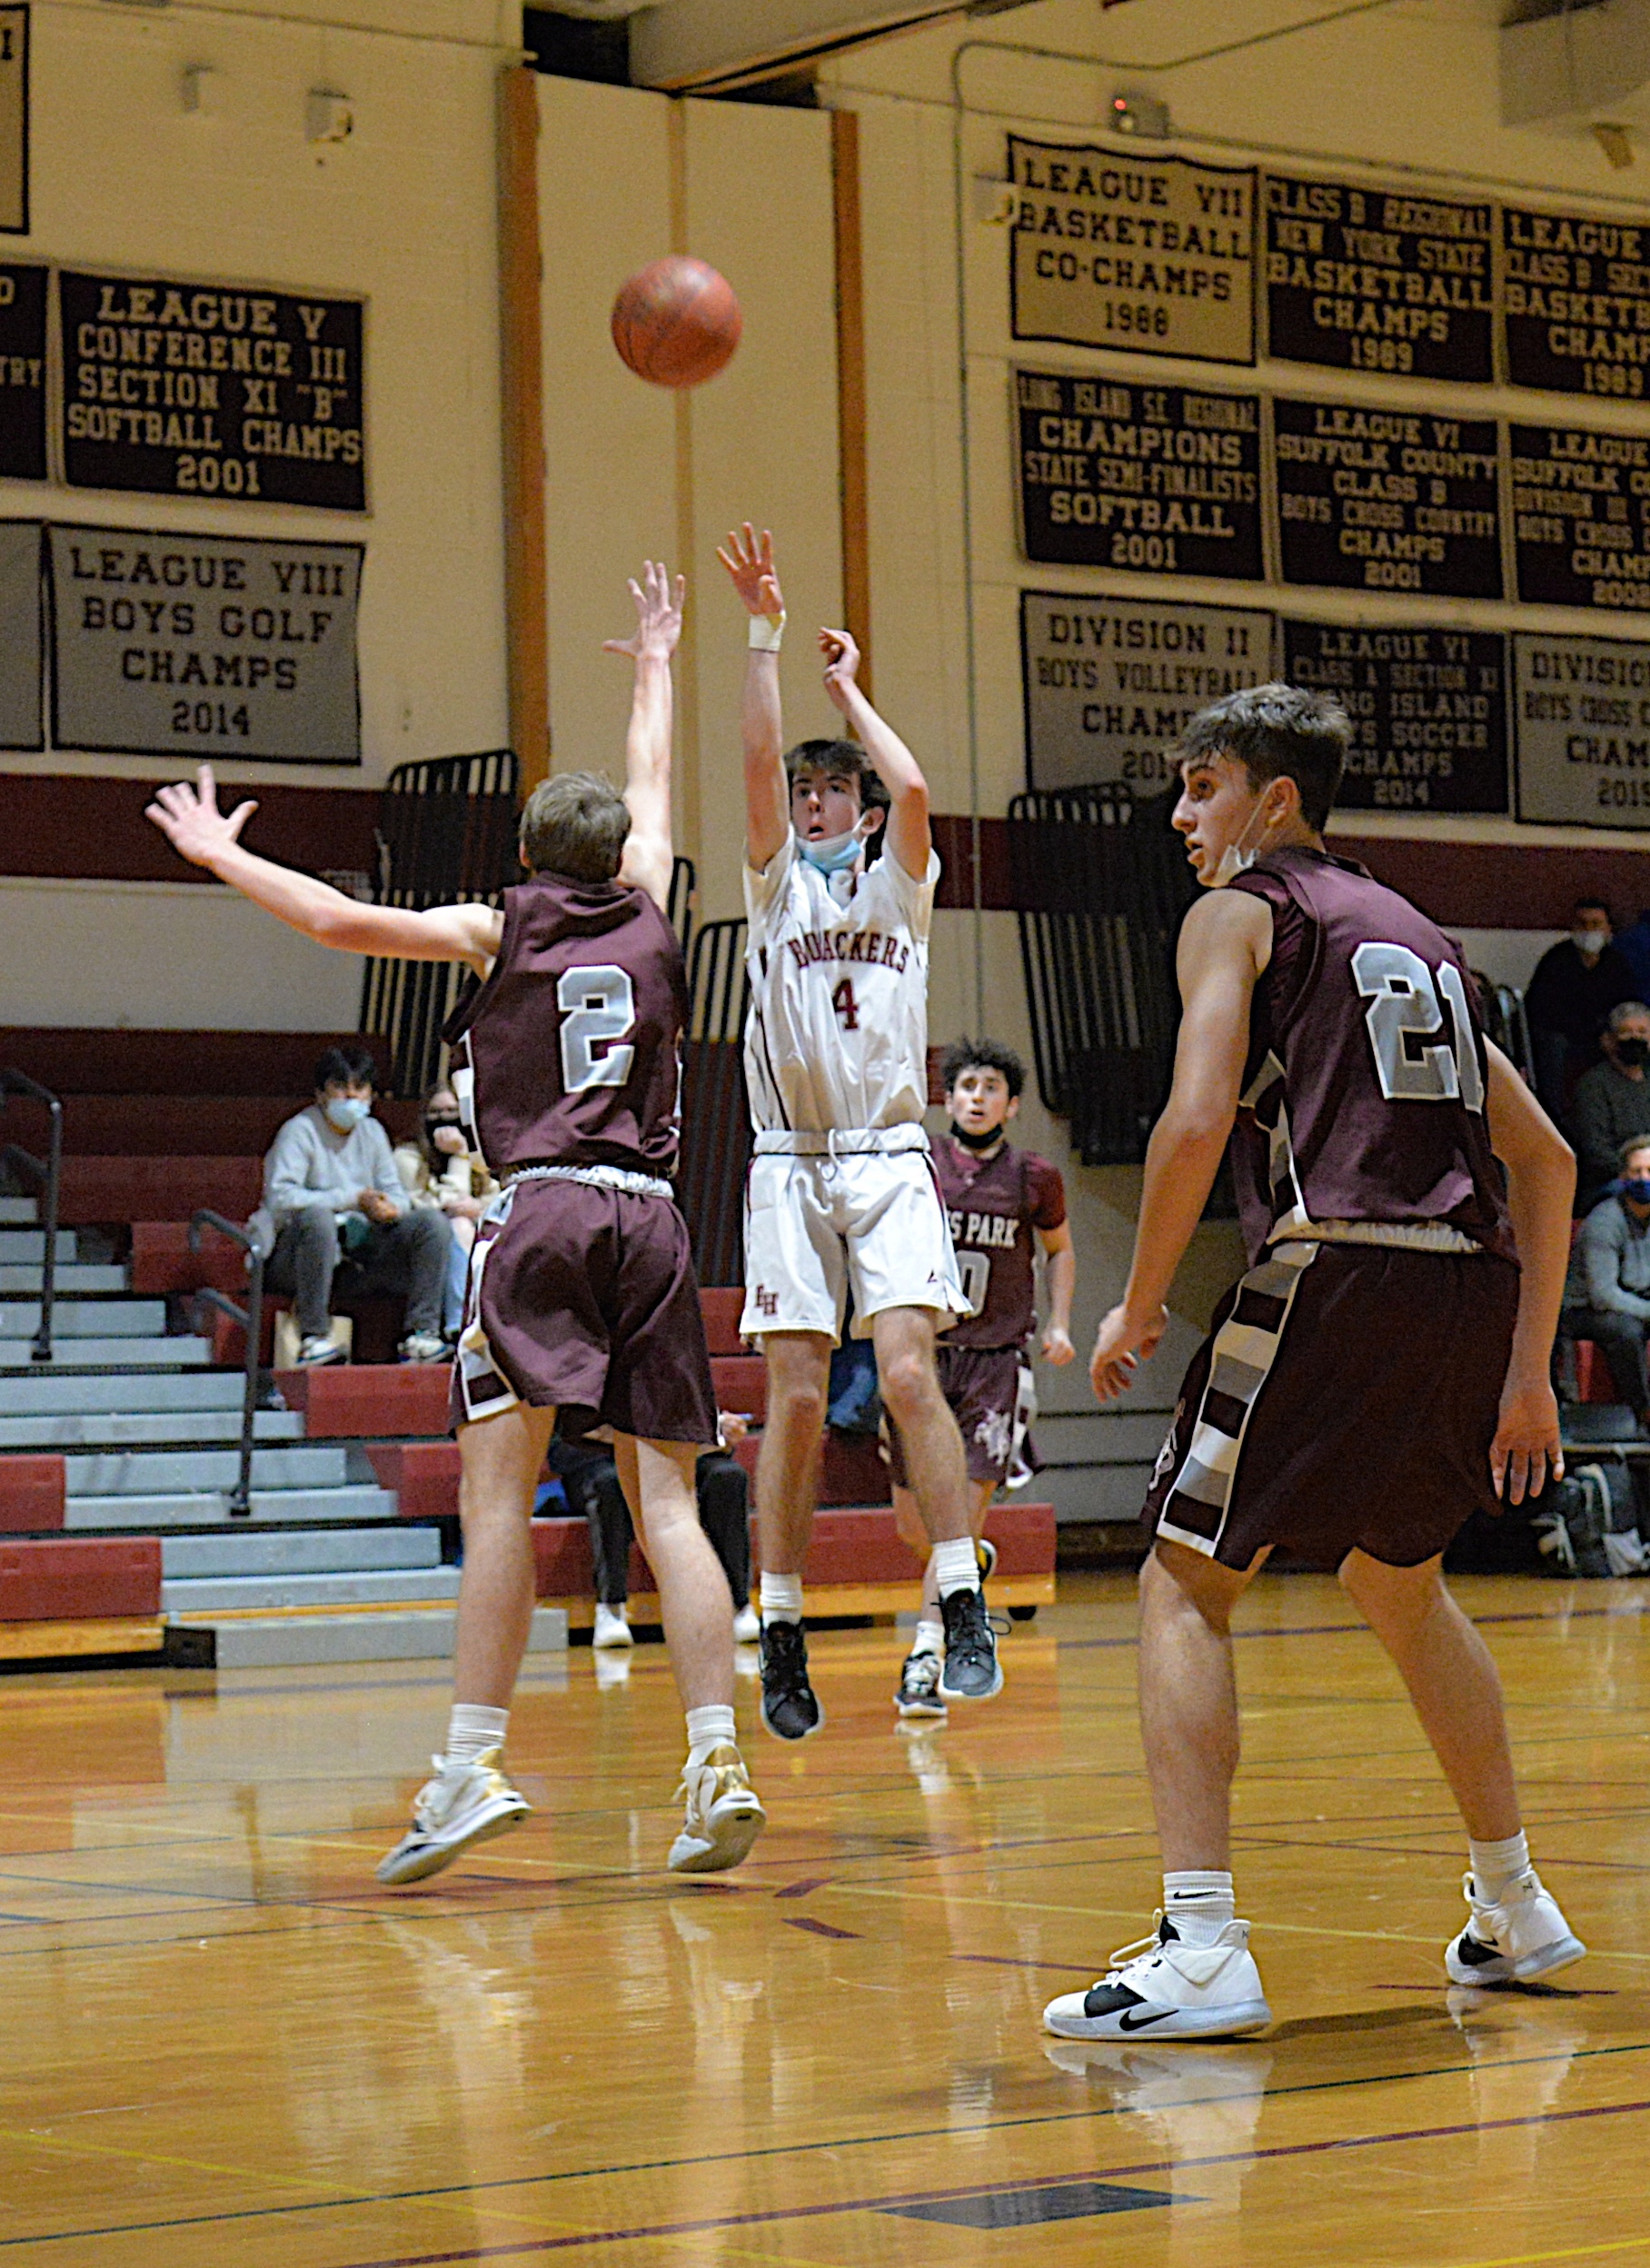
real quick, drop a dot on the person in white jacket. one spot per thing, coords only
(333, 1195)
(441, 1173)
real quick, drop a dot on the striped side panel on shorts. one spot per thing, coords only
(1240, 1360)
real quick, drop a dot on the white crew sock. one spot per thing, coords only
(955, 1566)
(930, 1638)
(1199, 1901)
(1496, 1864)
(711, 1727)
(781, 1597)
(472, 1730)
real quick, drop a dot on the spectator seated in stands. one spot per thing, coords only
(441, 1174)
(587, 1472)
(1575, 985)
(1607, 1296)
(334, 1202)
(1612, 1102)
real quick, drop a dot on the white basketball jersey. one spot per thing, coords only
(837, 1037)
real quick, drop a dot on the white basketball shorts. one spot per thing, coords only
(816, 1228)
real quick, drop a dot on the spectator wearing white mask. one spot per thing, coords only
(1575, 985)
(335, 1199)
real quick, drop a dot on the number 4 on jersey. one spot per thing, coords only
(843, 999)
(1404, 1004)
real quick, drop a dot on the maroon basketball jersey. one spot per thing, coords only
(569, 1054)
(995, 1209)
(1364, 1091)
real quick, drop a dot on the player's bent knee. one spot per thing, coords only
(1177, 1580)
(910, 1386)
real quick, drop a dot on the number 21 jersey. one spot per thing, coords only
(837, 1036)
(570, 1053)
(1363, 1092)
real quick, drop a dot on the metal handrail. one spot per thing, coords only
(251, 1319)
(50, 1172)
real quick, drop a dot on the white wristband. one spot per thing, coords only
(767, 632)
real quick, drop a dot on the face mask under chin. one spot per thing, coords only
(1632, 1051)
(1235, 859)
(835, 856)
(988, 1140)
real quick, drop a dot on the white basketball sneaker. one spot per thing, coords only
(1523, 1935)
(612, 1627)
(464, 1803)
(1170, 1990)
(725, 1814)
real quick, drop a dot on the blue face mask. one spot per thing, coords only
(1636, 1191)
(344, 1113)
(832, 854)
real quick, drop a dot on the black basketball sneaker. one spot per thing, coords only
(971, 1671)
(790, 1707)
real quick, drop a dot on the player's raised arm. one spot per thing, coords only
(1226, 942)
(191, 823)
(748, 560)
(649, 854)
(1540, 1190)
(909, 837)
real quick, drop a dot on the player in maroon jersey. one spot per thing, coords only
(1001, 1203)
(581, 1290)
(1380, 1371)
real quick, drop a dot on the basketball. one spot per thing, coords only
(676, 322)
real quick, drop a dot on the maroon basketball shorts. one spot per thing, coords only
(585, 1297)
(1345, 1399)
(982, 1385)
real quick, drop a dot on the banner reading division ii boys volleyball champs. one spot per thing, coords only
(195, 646)
(1109, 683)
(1151, 254)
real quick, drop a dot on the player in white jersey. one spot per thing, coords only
(842, 1194)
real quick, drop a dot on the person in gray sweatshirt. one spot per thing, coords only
(333, 1195)
(1608, 1296)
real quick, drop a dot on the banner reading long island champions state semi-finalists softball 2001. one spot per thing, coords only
(194, 646)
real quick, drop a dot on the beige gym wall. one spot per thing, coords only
(403, 212)
(634, 471)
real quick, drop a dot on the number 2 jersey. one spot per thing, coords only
(1363, 1099)
(570, 1053)
(837, 1036)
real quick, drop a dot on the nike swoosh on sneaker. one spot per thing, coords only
(1130, 2022)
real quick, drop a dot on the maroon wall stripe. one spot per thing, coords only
(68, 829)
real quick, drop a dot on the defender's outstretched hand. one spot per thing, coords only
(748, 560)
(658, 616)
(1120, 1350)
(842, 664)
(1526, 1447)
(191, 823)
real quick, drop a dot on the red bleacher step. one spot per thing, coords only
(741, 1385)
(722, 1309)
(350, 1399)
(32, 1492)
(1594, 1382)
(105, 1189)
(424, 1473)
(45, 1580)
(851, 1470)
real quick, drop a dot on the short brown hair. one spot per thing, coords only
(575, 825)
(807, 759)
(1275, 732)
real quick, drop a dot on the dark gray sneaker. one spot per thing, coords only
(790, 1708)
(971, 1671)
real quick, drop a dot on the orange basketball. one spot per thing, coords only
(676, 322)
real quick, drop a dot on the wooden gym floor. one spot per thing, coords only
(224, 2047)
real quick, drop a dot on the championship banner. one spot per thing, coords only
(1581, 731)
(21, 720)
(15, 121)
(1379, 280)
(1429, 711)
(1111, 683)
(1388, 500)
(198, 646)
(1156, 254)
(1161, 479)
(178, 389)
(22, 298)
(1577, 302)
(1581, 517)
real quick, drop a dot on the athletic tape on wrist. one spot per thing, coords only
(767, 632)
